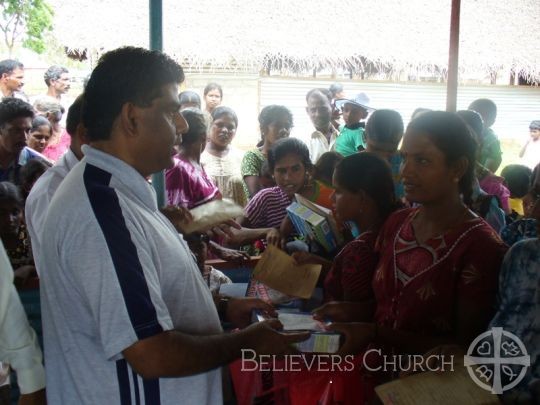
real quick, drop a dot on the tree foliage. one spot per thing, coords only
(25, 21)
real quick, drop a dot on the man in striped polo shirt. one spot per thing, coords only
(124, 304)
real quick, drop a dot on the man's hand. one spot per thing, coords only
(273, 237)
(239, 310)
(264, 338)
(357, 336)
(179, 216)
(34, 398)
(229, 255)
(224, 230)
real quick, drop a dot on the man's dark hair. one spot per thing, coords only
(125, 75)
(11, 108)
(223, 110)
(517, 179)
(189, 96)
(197, 126)
(74, 115)
(54, 73)
(486, 108)
(474, 121)
(384, 126)
(324, 92)
(335, 88)
(288, 146)
(9, 192)
(9, 65)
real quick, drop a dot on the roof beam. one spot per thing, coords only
(453, 58)
(156, 43)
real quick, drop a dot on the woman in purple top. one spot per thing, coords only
(186, 182)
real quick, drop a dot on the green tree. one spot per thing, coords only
(26, 21)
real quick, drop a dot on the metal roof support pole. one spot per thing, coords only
(156, 43)
(453, 58)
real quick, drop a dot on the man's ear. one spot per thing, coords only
(129, 115)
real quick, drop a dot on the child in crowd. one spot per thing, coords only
(519, 306)
(350, 139)
(530, 153)
(487, 205)
(490, 148)
(383, 134)
(14, 235)
(290, 164)
(517, 179)
(30, 173)
(220, 159)
(418, 112)
(198, 243)
(323, 170)
(525, 227)
(189, 99)
(275, 122)
(40, 134)
(367, 201)
(337, 92)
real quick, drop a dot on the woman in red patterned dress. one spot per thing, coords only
(436, 280)
(363, 194)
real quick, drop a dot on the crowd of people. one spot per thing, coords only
(436, 248)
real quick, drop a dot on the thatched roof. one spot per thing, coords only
(295, 35)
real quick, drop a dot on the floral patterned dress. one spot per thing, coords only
(416, 285)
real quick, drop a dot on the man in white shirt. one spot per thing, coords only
(42, 192)
(319, 109)
(18, 342)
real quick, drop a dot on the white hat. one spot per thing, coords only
(361, 100)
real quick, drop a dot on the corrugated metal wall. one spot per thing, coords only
(517, 105)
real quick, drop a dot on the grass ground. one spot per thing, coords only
(510, 149)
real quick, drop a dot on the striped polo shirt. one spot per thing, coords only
(115, 271)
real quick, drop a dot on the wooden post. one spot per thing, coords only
(156, 43)
(453, 58)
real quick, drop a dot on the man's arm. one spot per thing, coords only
(175, 354)
(18, 342)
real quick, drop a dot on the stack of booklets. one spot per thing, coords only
(315, 223)
(279, 271)
(212, 214)
(449, 387)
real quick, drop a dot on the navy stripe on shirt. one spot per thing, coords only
(123, 382)
(151, 392)
(136, 387)
(129, 271)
